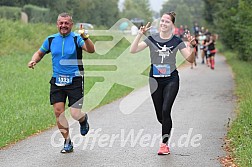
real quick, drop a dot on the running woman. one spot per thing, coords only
(211, 51)
(196, 51)
(164, 78)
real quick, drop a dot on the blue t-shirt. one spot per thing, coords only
(65, 60)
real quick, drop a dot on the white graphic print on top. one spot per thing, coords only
(164, 51)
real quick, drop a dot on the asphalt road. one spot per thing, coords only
(201, 112)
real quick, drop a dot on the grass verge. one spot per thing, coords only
(241, 128)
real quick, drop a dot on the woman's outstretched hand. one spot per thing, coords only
(145, 28)
(190, 39)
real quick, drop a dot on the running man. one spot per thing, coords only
(67, 78)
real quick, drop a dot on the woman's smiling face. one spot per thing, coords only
(166, 23)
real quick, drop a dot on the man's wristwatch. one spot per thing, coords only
(85, 37)
(84, 34)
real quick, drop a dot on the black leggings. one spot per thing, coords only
(164, 92)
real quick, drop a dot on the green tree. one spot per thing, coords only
(137, 9)
(97, 12)
(244, 28)
(21, 3)
(59, 6)
(10, 3)
(223, 18)
(188, 11)
(233, 21)
(106, 12)
(182, 18)
(170, 5)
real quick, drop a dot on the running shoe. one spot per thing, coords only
(163, 150)
(84, 126)
(68, 147)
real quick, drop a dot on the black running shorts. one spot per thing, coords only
(74, 93)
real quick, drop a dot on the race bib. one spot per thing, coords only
(63, 80)
(161, 70)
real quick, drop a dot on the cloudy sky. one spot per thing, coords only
(155, 5)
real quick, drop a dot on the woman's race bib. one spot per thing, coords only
(161, 70)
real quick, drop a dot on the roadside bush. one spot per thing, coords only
(233, 20)
(37, 14)
(244, 29)
(11, 13)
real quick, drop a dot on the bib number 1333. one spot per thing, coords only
(62, 80)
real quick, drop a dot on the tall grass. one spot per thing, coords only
(17, 37)
(241, 129)
(24, 108)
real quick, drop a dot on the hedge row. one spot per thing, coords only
(35, 14)
(10, 13)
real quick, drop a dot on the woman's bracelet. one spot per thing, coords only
(193, 45)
